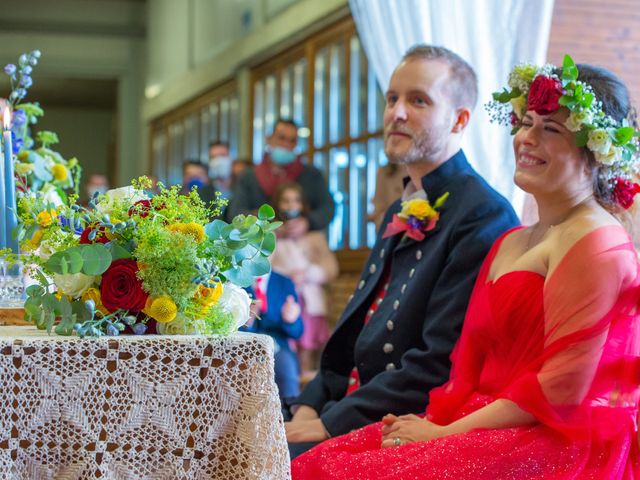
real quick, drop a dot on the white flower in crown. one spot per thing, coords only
(613, 156)
(519, 106)
(599, 141)
(575, 120)
(236, 301)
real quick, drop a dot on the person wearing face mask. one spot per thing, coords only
(280, 164)
(308, 261)
(220, 163)
(195, 174)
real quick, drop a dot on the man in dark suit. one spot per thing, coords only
(392, 344)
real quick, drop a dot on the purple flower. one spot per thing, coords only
(16, 145)
(35, 54)
(10, 69)
(19, 118)
(27, 70)
(415, 223)
(26, 81)
(139, 328)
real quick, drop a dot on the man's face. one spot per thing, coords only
(218, 151)
(284, 136)
(193, 172)
(419, 115)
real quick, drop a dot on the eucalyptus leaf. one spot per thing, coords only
(257, 265)
(266, 212)
(117, 251)
(97, 259)
(269, 244)
(240, 276)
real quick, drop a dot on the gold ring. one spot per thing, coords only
(397, 442)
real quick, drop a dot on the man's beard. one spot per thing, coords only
(425, 144)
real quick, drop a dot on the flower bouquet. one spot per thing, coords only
(135, 263)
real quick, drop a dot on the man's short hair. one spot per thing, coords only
(463, 82)
(219, 143)
(285, 121)
(194, 163)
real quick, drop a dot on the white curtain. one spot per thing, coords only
(492, 35)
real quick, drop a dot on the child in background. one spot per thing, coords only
(276, 312)
(307, 260)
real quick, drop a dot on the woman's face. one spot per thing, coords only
(290, 201)
(548, 161)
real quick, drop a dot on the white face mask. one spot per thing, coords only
(220, 167)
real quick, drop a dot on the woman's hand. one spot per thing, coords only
(405, 429)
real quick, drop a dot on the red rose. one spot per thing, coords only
(120, 287)
(624, 191)
(544, 95)
(141, 207)
(101, 236)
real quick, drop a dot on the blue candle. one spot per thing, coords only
(11, 222)
(3, 209)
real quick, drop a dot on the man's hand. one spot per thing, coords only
(290, 310)
(296, 227)
(305, 431)
(398, 431)
(303, 412)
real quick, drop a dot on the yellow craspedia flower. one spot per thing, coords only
(59, 172)
(94, 294)
(417, 208)
(46, 217)
(209, 296)
(162, 309)
(195, 230)
(176, 227)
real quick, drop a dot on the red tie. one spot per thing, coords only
(261, 294)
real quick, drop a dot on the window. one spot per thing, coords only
(326, 85)
(185, 134)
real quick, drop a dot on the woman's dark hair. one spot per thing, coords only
(275, 200)
(613, 94)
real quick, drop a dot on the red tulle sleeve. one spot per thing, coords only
(585, 375)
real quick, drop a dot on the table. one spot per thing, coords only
(139, 407)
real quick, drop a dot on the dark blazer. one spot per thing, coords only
(247, 196)
(271, 322)
(403, 352)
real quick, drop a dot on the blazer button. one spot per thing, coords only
(387, 348)
(372, 268)
(370, 312)
(404, 287)
(361, 285)
(418, 254)
(350, 298)
(382, 253)
(396, 304)
(352, 381)
(390, 325)
(412, 272)
(390, 366)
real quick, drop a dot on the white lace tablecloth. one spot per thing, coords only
(139, 407)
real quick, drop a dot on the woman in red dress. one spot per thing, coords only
(544, 382)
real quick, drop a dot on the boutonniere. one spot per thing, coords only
(416, 218)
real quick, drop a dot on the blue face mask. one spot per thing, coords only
(195, 182)
(291, 214)
(281, 156)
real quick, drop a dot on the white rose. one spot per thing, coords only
(236, 301)
(519, 106)
(73, 284)
(612, 156)
(50, 194)
(576, 120)
(599, 141)
(128, 195)
(177, 326)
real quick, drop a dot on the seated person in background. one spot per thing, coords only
(389, 188)
(97, 183)
(196, 174)
(276, 313)
(280, 164)
(308, 261)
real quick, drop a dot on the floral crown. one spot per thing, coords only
(614, 144)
